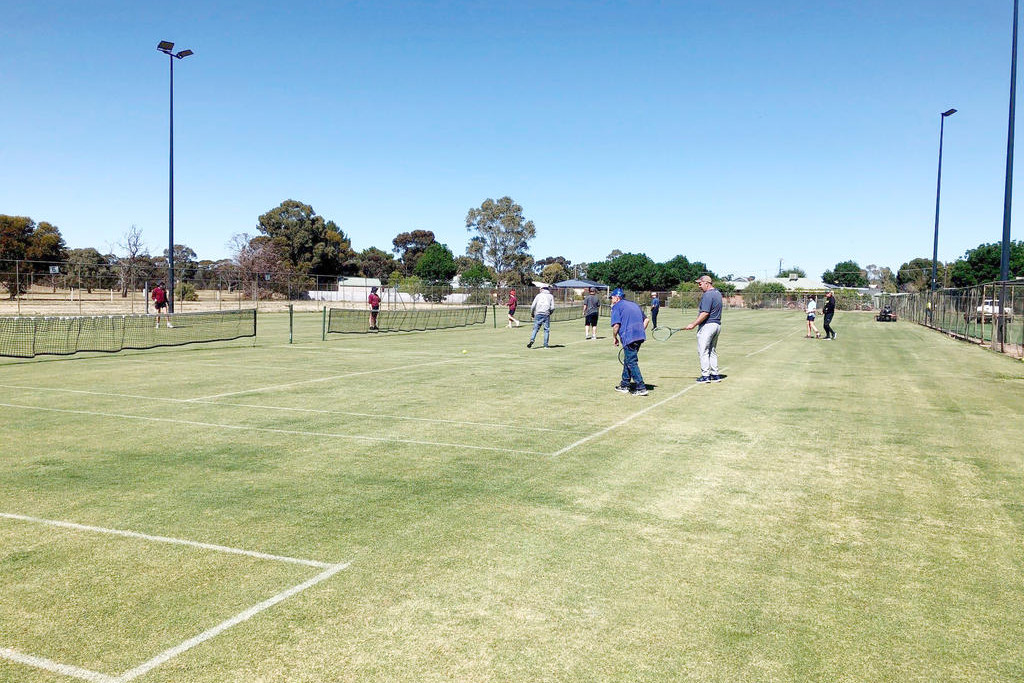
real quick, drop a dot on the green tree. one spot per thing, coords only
(409, 246)
(376, 263)
(14, 241)
(476, 275)
(206, 274)
(502, 238)
(186, 264)
(437, 265)
(680, 269)
(915, 275)
(792, 270)
(539, 266)
(758, 287)
(845, 274)
(636, 272)
(46, 246)
(308, 242)
(30, 249)
(983, 263)
(758, 294)
(88, 268)
(554, 272)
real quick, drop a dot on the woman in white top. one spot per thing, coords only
(812, 306)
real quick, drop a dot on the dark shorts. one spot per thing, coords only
(810, 316)
(591, 320)
(161, 305)
(511, 310)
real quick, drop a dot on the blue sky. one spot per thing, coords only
(738, 134)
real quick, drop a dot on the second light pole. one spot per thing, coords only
(167, 48)
(938, 190)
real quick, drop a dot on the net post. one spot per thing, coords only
(494, 315)
(291, 318)
(323, 329)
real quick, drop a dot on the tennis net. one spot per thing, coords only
(26, 337)
(563, 313)
(354, 321)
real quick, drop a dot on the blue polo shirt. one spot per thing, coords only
(630, 319)
(711, 302)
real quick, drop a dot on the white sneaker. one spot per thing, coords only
(169, 325)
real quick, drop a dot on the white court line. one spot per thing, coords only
(754, 353)
(165, 539)
(96, 677)
(622, 421)
(650, 407)
(319, 379)
(56, 667)
(225, 625)
(315, 411)
(272, 430)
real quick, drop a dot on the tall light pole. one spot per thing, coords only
(938, 190)
(1004, 258)
(167, 48)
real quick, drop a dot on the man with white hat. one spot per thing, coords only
(541, 309)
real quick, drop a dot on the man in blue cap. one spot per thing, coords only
(629, 325)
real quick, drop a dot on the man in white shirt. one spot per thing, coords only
(541, 308)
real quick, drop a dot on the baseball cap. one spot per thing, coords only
(618, 292)
(704, 278)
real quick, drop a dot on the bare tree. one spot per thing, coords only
(130, 265)
(257, 258)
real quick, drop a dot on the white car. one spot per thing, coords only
(990, 309)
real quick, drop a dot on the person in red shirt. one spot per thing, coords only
(512, 304)
(374, 302)
(160, 301)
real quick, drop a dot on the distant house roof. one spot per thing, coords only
(358, 282)
(798, 284)
(580, 284)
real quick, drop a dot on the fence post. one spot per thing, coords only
(291, 318)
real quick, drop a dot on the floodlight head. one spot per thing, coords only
(165, 46)
(183, 54)
(949, 113)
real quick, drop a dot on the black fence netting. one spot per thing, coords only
(29, 336)
(355, 321)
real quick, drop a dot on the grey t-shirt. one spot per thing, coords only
(711, 302)
(591, 304)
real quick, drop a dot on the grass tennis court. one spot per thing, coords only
(387, 508)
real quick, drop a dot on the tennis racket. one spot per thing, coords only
(662, 333)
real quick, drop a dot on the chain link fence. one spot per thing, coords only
(989, 314)
(123, 287)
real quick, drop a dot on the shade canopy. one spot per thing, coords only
(580, 284)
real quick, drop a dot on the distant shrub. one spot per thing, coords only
(185, 291)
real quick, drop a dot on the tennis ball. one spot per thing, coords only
(465, 351)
